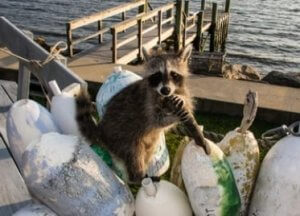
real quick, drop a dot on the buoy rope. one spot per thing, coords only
(38, 64)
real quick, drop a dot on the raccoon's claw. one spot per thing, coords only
(177, 102)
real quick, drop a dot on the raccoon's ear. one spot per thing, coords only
(185, 53)
(146, 54)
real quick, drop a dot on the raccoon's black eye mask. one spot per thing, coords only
(155, 79)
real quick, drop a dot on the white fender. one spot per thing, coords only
(161, 198)
(26, 121)
(63, 110)
(242, 153)
(277, 190)
(209, 181)
(35, 210)
(117, 81)
(64, 173)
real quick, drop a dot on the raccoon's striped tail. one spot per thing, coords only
(84, 116)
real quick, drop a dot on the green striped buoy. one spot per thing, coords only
(209, 181)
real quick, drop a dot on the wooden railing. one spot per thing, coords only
(163, 15)
(99, 18)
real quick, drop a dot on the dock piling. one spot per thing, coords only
(227, 6)
(214, 16)
(203, 5)
(200, 18)
(178, 24)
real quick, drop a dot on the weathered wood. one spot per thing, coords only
(178, 24)
(100, 33)
(227, 6)
(199, 30)
(140, 39)
(10, 88)
(203, 5)
(114, 45)
(143, 8)
(69, 39)
(105, 14)
(159, 26)
(17, 42)
(100, 26)
(126, 41)
(13, 191)
(23, 81)
(185, 21)
(213, 27)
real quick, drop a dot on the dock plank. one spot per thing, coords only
(13, 191)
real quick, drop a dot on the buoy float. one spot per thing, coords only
(63, 110)
(34, 210)
(209, 181)
(117, 81)
(26, 121)
(64, 173)
(277, 188)
(242, 152)
(161, 198)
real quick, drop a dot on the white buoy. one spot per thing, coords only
(277, 190)
(117, 81)
(64, 173)
(242, 152)
(35, 210)
(161, 198)
(26, 121)
(63, 109)
(209, 181)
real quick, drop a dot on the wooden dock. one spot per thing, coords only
(171, 23)
(13, 191)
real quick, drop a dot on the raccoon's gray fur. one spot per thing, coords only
(136, 116)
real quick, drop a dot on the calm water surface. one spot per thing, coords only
(263, 33)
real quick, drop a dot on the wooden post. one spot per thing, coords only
(69, 39)
(123, 15)
(170, 14)
(178, 24)
(23, 81)
(114, 45)
(100, 38)
(200, 17)
(140, 39)
(227, 6)
(144, 8)
(159, 27)
(213, 27)
(203, 5)
(186, 15)
(124, 18)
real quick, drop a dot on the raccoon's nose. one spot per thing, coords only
(165, 90)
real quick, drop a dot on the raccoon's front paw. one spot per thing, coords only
(176, 106)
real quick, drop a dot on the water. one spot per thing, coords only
(263, 33)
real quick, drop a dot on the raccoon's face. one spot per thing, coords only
(165, 78)
(167, 72)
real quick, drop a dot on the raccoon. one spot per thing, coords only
(135, 117)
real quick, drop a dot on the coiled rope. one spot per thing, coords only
(38, 64)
